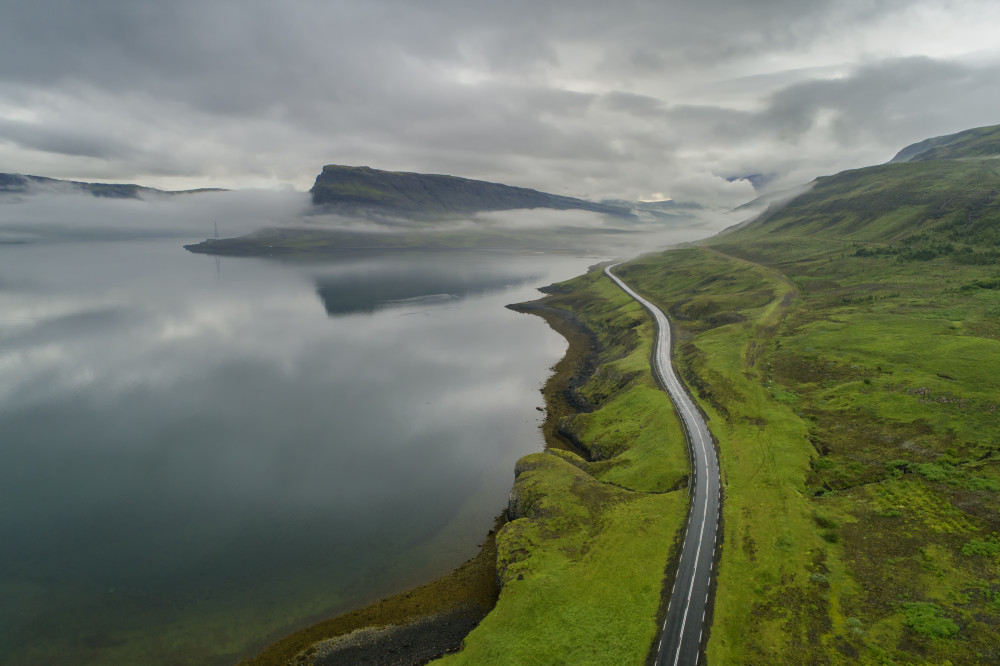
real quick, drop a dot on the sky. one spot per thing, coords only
(636, 99)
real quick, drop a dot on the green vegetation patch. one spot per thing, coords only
(989, 548)
(582, 571)
(629, 435)
(927, 619)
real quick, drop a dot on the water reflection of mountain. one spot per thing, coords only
(373, 290)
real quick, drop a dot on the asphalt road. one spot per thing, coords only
(680, 642)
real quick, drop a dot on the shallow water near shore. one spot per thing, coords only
(199, 456)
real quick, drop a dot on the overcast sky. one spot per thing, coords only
(628, 99)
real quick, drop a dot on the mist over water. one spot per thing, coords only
(196, 457)
(61, 216)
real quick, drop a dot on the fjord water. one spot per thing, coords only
(198, 456)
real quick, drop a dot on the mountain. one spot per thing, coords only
(354, 190)
(926, 185)
(974, 143)
(917, 208)
(21, 184)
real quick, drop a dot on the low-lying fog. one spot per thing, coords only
(57, 215)
(77, 216)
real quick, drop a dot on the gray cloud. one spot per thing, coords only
(583, 98)
(63, 141)
(639, 105)
(896, 98)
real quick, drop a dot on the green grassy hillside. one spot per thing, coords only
(846, 349)
(974, 143)
(918, 210)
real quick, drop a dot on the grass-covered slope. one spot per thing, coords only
(363, 189)
(912, 209)
(974, 143)
(846, 350)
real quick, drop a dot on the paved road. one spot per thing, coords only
(680, 643)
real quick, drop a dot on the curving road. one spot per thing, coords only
(680, 643)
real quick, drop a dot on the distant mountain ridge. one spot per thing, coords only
(23, 184)
(979, 142)
(354, 190)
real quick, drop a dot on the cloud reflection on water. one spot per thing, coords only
(176, 434)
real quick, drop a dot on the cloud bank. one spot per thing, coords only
(583, 98)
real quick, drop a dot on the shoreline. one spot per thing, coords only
(413, 626)
(431, 620)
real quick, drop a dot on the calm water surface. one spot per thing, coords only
(196, 458)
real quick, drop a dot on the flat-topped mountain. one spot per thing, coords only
(353, 190)
(22, 184)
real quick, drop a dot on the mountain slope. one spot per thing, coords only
(362, 189)
(911, 208)
(974, 143)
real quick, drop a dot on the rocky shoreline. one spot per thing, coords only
(417, 642)
(412, 627)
